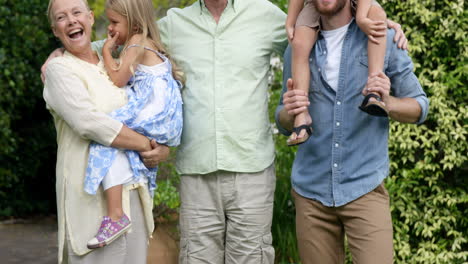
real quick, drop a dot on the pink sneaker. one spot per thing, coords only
(109, 231)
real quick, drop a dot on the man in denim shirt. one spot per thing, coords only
(338, 173)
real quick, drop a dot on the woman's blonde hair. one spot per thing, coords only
(141, 19)
(50, 16)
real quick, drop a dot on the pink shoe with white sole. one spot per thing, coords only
(109, 231)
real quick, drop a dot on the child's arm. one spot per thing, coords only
(294, 8)
(119, 74)
(373, 29)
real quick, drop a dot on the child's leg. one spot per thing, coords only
(302, 43)
(376, 52)
(114, 202)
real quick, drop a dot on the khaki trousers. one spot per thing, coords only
(130, 248)
(225, 217)
(366, 222)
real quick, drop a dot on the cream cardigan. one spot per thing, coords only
(78, 95)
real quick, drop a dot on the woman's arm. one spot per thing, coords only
(67, 96)
(129, 139)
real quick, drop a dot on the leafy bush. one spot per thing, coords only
(27, 137)
(428, 182)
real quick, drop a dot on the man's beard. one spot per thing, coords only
(340, 4)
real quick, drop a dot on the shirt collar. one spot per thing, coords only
(231, 3)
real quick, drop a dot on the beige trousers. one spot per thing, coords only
(130, 248)
(366, 222)
(225, 217)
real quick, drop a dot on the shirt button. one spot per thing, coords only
(335, 165)
(310, 59)
(319, 69)
(338, 124)
(338, 103)
(324, 52)
(337, 145)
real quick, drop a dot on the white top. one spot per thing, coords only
(78, 95)
(334, 39)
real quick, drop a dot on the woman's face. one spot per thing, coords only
(117, 23)
(72, 23)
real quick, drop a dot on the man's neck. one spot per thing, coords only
(338, 20)
(216, 8)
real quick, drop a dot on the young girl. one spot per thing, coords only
(154, 108)
(302, 24)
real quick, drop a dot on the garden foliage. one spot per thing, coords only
(27, 135)
(428, 180)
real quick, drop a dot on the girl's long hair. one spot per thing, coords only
(142, 20)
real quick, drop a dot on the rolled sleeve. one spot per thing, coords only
(404, 82)
(286, 75)
(66, 95)
(278, 34)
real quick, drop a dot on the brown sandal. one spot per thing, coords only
(375, 108)
(297, 130)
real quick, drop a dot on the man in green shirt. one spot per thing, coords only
(227, 152)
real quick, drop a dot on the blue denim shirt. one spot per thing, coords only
(347, 154)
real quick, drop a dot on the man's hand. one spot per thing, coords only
(378, 83)
(295, 101)
(158, 154)
(56, 53)
(373, 29)
(399, 38)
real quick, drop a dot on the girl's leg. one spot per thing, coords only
(114, 202)
(115, 224)
(302, 43)
(376, 52)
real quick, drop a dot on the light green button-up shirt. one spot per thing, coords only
(226, 125)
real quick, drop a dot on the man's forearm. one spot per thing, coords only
(404, 110)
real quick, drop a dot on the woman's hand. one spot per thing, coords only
(373, 29)
(400, 38)
(158, 154)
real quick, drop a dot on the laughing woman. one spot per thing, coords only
(78, 94)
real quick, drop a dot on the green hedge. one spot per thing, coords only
(27, 136)
(428, 180)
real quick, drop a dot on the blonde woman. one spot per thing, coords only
(79, 95)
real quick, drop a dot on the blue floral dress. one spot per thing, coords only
(154, 109)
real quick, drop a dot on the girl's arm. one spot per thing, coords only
(294, 8)
(363, 7)
(120, 74)
(373, 28)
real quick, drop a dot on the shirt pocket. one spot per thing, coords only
(363, 60)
